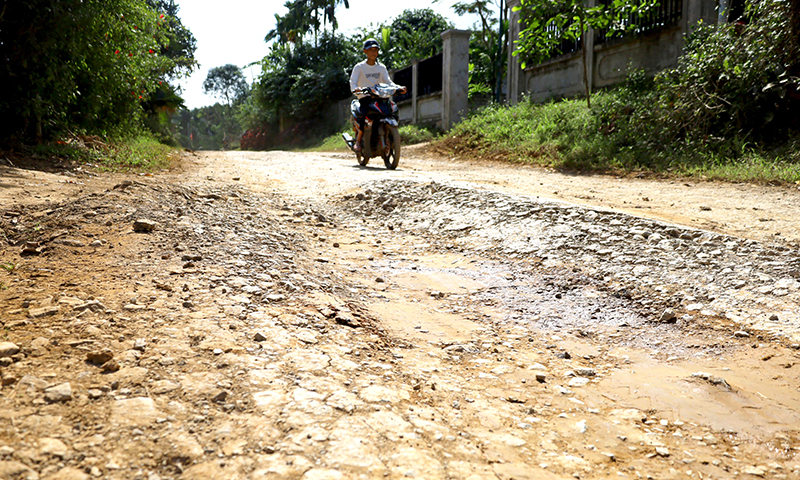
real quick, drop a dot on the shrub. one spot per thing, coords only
(413, 134)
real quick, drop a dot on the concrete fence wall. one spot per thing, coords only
(441, 109)
(607, 63)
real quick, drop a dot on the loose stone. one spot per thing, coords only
(143, 225)
(8, 349)
(42, 312)
(99, 357)
(668, 316)
(58, 393)
(110, 366)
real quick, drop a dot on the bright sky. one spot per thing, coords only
(233, 31)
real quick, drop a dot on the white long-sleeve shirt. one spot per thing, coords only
(365, 76)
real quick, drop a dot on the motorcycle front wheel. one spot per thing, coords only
(393, 138)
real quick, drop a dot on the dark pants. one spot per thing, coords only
(364, 102)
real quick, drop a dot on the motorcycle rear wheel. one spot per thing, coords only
(393, 138)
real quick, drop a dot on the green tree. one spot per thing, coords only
(548, 22)
(291, 27)
(415, 34)
(299, 82)
(226, 82)
(328, 8)
(181, 44)
(204, 128)
(81, 65)
(305, 16)
(793, 18)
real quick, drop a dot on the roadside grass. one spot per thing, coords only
(567, 135)
(136, 154)
(140, 154)
(753, 167)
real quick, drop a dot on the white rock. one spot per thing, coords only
(578, 382)
(69, 473)
(377, 393)
(581, 426)
(31, 381)
(756, 471)
(322, 474)
(164, 386)
(53, 446)
(42, 312)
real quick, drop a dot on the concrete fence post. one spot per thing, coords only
(455, 76)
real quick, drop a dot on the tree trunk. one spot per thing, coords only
(585, 67)
(498, 64)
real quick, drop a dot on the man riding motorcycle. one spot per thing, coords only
(367, 74)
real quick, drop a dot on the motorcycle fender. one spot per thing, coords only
(390, 121)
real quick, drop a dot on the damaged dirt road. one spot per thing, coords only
(285, 315)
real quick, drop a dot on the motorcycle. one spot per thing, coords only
(381, 127)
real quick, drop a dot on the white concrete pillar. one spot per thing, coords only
(455, 76)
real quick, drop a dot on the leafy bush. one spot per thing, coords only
(545, 133)
(734, 80)
(414, 34)
(300, 82)
(85, 65)
(413, 134)
(734, 85)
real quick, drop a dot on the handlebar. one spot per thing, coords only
(371, 90)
